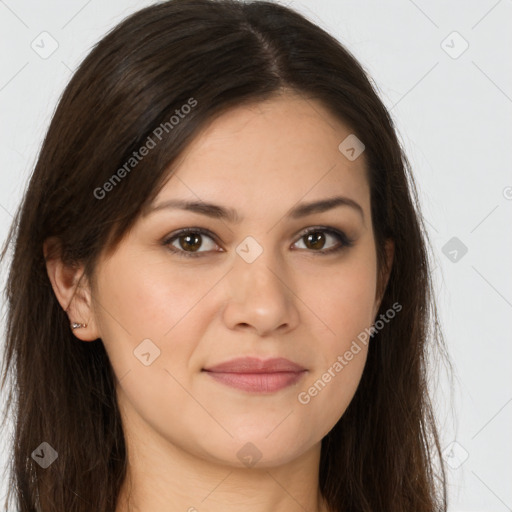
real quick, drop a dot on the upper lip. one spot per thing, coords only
(255, 365)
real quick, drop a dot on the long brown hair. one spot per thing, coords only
(384, 453)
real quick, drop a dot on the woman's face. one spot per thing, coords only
(255, 286)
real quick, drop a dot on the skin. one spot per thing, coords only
(183, 429)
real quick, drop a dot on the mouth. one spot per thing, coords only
(258, 382)
(257, 376)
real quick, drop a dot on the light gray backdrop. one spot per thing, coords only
(444, 69)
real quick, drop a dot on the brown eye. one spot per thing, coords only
(187, 242)
(316, 238)
(191, 242)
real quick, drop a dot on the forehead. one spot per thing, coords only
(285, 148)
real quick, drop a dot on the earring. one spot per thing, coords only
(76, 325)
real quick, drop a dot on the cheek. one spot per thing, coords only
(344, 304)
(157, 302)
(344, 299)
(341, 355)
(136, 303)
(146, 301)
(326, 395)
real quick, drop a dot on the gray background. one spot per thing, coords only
(452, 109)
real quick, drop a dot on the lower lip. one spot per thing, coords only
(258, 382)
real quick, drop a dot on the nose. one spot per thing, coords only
(262, 297)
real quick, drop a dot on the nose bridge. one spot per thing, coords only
(256, 264)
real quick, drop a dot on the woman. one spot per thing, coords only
(219, 297)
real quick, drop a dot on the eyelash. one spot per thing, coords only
(345, 241)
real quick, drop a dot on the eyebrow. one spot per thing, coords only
(230, 215)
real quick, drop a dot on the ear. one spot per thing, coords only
(71, 289)
(389, 249)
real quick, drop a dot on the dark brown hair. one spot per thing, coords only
(383, 454)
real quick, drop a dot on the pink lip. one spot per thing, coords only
(256, 375)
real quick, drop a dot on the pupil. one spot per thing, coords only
(319, 242)
(195, 245)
